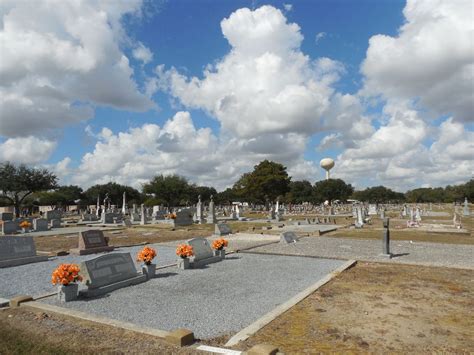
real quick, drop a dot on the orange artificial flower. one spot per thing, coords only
(184, 251)
(66, 274)
(146, 255)
(219, 244)
(25, 224)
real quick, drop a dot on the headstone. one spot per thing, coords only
(127, 223)
(55, 223)
(222, 229)
(142, 217)
(18, 251)
(360, 220)
(9, 227)
(372, 210)
(109, 272)
(211, 215)
(288, 237)
(53, 214)
(6, 216)
(386, 238)
(203, 254)
(466, 211)
(91, 242)
(184, 217)
(40, 225)
(199, 211)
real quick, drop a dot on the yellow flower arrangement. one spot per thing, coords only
(65, 274)
(184, 251)
(146, 255)
(219, 244)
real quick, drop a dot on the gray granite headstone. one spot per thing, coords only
(55, 223)
(201, 248)
(109, 272)
(40, 225)
(53, 214)
(18, 251)
(91, 242)
(9, 227)
(288, 237)
(6, 216)
(222, 229)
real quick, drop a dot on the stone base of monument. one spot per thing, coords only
(149, 270)
(23, 261)
(102, 290)
(220, 253)
(183, 264)
(68, 293)
(196, 264)
(77, 251)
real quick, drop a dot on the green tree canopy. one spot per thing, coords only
(18, 182)
(62, 196)
(204, 191)
(267, 181)
(332, 189)
(300, 191)
(115, 192)
(172, 190)
(378, 194)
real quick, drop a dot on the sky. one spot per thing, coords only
(121, 91)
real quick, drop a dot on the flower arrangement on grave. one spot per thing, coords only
(172, 215)
(66, 274)
(146, 255)
(184, 251)
(25, 224)
(219, 244)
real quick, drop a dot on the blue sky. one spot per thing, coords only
(378, 79)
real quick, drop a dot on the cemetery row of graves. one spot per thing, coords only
(275, 252)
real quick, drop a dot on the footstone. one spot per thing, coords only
(18, 251)
(203, 253)
(109, 272)
(222, 229)
(288, 237)
(91, 242)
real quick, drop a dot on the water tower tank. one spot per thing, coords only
(327, 164)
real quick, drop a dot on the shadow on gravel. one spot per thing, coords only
(398, 255)
(164, 275)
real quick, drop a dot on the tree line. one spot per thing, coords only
(23, 186)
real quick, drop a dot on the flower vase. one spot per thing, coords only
(220, 253)
(149, 270)
(67, 293)
(183, 263)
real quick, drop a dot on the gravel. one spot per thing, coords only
(429, 254)
(35, 279)
(219, 299)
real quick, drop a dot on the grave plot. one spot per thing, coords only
(35, 279)
(218, 299)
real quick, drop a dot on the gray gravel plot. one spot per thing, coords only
(220, 299)
(430, 254)
(35, 279)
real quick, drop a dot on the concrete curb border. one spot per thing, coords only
(171, 337)
(267, 318)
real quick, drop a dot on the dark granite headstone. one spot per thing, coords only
(222, 229)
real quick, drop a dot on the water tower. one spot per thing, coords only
(327, 164)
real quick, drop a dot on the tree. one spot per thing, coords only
(204, 191)
(172, 190)
(62, 196)
(18, 182)
(332, 189)
(267, 181)
(378, 194)
(300, 191)
(227, 196)
(115, 192)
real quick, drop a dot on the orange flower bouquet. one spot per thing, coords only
(172, 215)
(66, 274)
(25, 225)
(146, 255)
(219, 244)
(184, 251)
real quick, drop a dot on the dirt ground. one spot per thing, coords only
(27, 332)
(380, 308)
